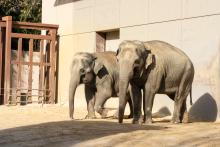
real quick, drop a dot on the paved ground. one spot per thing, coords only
(50, 126)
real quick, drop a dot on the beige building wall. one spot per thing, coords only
(192, 25)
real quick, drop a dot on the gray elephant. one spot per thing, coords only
(99, 72)
(155, 67)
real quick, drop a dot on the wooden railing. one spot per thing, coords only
(47, 62)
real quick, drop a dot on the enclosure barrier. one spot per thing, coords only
(16, 71)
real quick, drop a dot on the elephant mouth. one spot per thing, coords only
(85, 81)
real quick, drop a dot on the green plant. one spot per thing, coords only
(22, 10)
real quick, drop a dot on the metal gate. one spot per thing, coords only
(13, 90)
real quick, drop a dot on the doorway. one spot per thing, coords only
(107, 40)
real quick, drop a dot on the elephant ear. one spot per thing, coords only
(149, 60)
(97, 67)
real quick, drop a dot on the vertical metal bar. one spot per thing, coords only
(19, 55)
(52, 68)
(41, 79)
(30, 69)
(8, 20)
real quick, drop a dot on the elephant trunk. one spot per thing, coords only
(74, 82)
(124, 78)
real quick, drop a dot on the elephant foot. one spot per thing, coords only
(104, 114)
(128, 116)
(186, 118)
(148, 121)
(137, 121)
(125, 116)
(115, 116)
(185, 121)
(175, 121)
(90, 116)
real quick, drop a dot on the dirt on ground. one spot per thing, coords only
(50, 126)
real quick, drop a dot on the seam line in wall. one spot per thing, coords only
(179, 19)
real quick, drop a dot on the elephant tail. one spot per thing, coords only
(191, 102)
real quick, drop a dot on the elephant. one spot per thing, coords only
(100, 75)
(155, 67)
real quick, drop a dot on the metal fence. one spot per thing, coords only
(12, 87)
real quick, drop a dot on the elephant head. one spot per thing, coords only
(133, 58)
(84, 69)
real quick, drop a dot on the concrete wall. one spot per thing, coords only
(192, 25)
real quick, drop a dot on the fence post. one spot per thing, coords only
(8, 20)
(52, 68)
(1, 52)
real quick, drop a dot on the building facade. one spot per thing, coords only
(97, 25)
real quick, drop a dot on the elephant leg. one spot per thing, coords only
(148, 105)
(180, 104)
(130, 106)
(136, 96)
(101, 98)
(151, 88)
(184, 115)
(177, 110)
(90, 99)
(180, 108)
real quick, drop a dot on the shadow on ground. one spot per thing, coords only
(65, 133)
(204, 109)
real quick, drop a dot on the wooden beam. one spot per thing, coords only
(8, 20)
(31, 36)
(28, 63)
(36, 26)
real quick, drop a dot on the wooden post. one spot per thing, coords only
(1, 51)
(8, 20)
(42, 73)
(31, 43)
(1, 46)
(2, 61)
(19, 57)
(52, 67)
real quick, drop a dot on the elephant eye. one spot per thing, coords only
(82, 71)
(137, 61)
